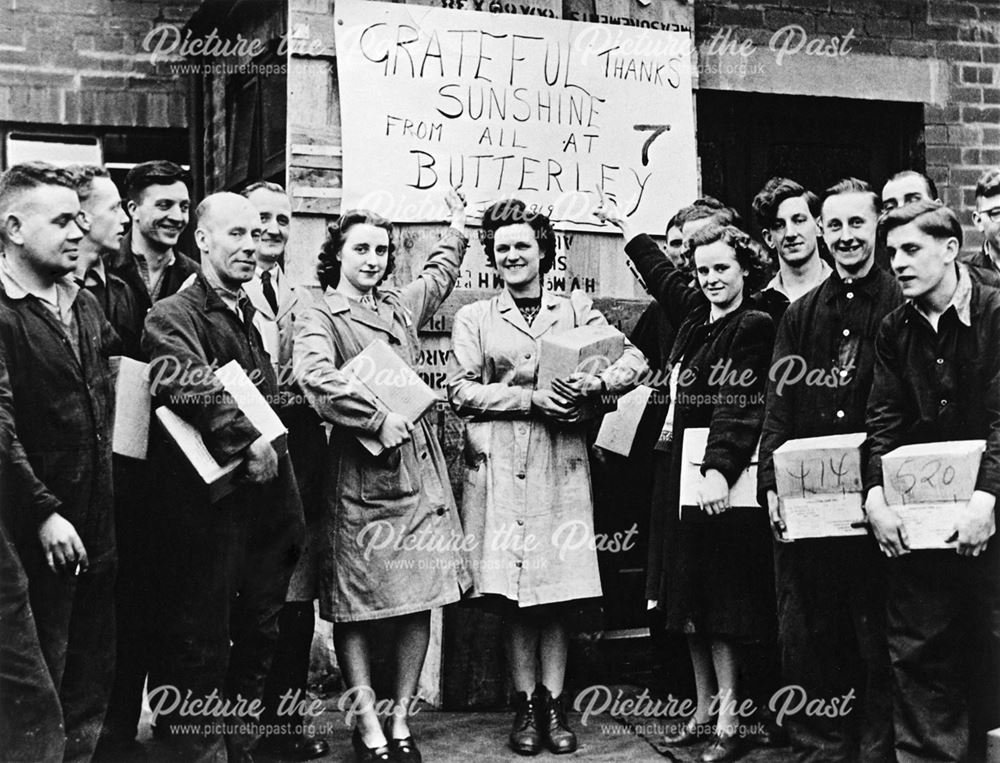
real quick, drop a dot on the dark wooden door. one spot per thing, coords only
(746, 138)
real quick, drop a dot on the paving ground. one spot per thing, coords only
(481, 737)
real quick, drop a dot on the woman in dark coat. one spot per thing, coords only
(717, 583)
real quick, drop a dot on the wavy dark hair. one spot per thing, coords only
(750, 255)
(514, 212)
(328, 268)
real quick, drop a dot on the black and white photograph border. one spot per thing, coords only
(576, 107)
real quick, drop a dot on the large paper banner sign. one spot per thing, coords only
(512, 106)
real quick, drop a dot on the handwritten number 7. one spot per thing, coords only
(658, 130)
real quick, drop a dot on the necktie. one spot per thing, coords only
(268, 289)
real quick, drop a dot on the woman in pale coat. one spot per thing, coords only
(527, 497)
(393, 538)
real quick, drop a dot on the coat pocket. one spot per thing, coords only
(387, 480)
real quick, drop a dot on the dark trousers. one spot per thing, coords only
(225, 572)
(135, 601)
(290, 669)
(831, 620)
(944, 642)
(31, 721)
(75, 618)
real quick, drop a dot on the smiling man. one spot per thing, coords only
(831, 617)
(158, 202)
(788, 216)
(937, 378)
(55, 343)
(225, 566)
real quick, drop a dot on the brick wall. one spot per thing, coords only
(962, 134)
(81, 62)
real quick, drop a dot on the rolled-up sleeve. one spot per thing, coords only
(337, 397)
(469, 391)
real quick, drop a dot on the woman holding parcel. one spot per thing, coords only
(527, 498)
(717, 585)
(378, 507)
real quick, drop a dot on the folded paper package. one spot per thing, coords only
(927, 483)
(742, 495)
(221, 479)
(587, 349)
(394, 385)
(819, 484)
(617, 432)
(130, 436)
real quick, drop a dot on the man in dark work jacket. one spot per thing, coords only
(937, 378)
(136, 638)
(158, 203)
(31, 724)
(225, 566)
(56, 344)
(105, 227)
(830, 606)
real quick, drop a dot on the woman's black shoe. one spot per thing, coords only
(525, 739)
(402, 750)
(558, 736)
(368, 754)
(690, 733)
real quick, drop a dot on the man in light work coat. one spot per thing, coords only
(274, 299)
(225, 566)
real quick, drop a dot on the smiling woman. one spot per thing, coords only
(405, 490)
(527, 474)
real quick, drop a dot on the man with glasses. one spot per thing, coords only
(987, 219)
(55, 343)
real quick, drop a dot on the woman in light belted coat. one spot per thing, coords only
(393, 538)
(527, 498)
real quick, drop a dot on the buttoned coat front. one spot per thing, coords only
(527, 500)
(392, 541)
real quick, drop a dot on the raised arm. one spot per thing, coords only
(424, 295)
(667, 284)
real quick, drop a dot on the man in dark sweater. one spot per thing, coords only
(55, 343)
(937, 378)
(830, 610)
(225, 566)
